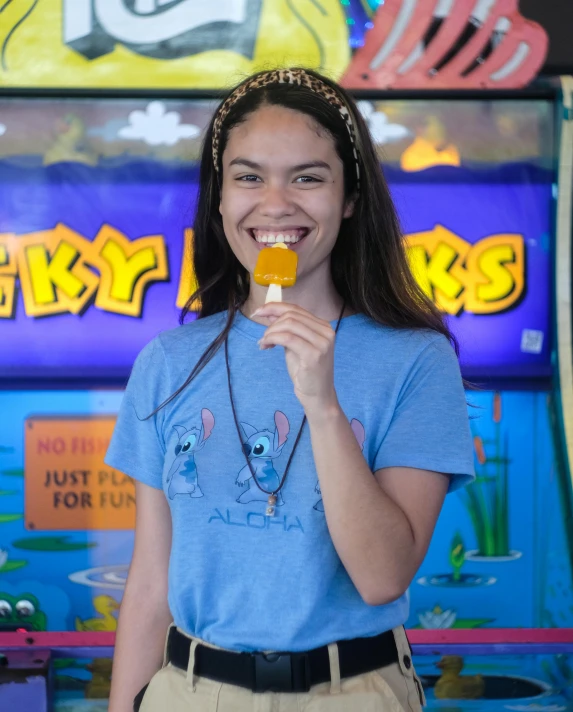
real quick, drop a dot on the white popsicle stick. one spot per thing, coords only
(274, 293)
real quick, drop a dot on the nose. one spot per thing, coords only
(275, 202)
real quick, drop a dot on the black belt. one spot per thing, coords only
(282, 672)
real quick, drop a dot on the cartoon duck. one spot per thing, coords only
(451, 686)
(261, 448)
(21, 612)
(70, 144)
(360, 435)
(183, 477)
(430, 148)
(98, 687)
(104, 605)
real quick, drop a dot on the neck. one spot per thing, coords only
(315, 293)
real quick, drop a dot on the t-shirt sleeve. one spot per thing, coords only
(430, 429)
(137, 446)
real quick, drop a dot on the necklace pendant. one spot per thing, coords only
(271, 506)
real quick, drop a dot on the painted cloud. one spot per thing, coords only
(381, 130)
(157, 126)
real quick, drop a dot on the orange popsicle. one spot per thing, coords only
(276, 268)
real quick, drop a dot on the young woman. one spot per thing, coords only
(290, 459)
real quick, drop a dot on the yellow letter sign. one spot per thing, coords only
(53, 273)
(483, 278)
(127, 268)
(8, 272)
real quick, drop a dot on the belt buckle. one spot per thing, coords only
(273, 672)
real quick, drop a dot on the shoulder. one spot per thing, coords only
(401, 346)
(196, 334)
(176, 349)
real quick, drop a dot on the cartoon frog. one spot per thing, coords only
(21, 612)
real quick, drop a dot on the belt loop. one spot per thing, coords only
(334, 669)
(166, 648)
(191, 665)
(404, 651)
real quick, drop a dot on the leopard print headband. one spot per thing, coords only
(286, 76)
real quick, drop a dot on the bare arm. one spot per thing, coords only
(381, 525)
(144, 615)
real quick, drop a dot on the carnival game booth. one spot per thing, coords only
(96, 212)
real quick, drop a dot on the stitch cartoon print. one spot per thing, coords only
(360, 434)
(261, 448)
(183, 477)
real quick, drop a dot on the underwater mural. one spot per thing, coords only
(511, 513)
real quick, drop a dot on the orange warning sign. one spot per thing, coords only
(67, 484)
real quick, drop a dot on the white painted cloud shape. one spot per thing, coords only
(381, 130)
(157, 126)
(2, 129)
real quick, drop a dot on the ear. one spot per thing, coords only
(282, 429)
(349, 207)
(208, 423)
(180, 430)
(248, 430)
(359, 432)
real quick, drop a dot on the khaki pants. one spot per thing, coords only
(394, 688)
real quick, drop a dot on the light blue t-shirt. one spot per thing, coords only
(237, 578)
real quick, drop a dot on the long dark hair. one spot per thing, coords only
(369, 265)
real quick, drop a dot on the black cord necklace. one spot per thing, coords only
(272, 496)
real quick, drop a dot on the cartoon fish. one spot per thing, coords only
(261, 448)
(183, 477)
(358, 430)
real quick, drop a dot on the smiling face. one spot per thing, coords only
(282, 182)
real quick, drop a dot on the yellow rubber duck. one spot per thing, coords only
(104, 605)
(451, 686)
(70, 144)
(430, 148)
(98, 687)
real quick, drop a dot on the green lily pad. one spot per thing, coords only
(51, 543)
(4, 518)
(467, 623)
(472, 622)
(12, 565)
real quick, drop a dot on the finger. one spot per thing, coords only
(305, 351)
(289, 318)
(321, 337)
(278, 309)
(299, 330)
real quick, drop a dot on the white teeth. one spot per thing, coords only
(281, 237)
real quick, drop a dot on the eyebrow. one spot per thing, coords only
(300, 167)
